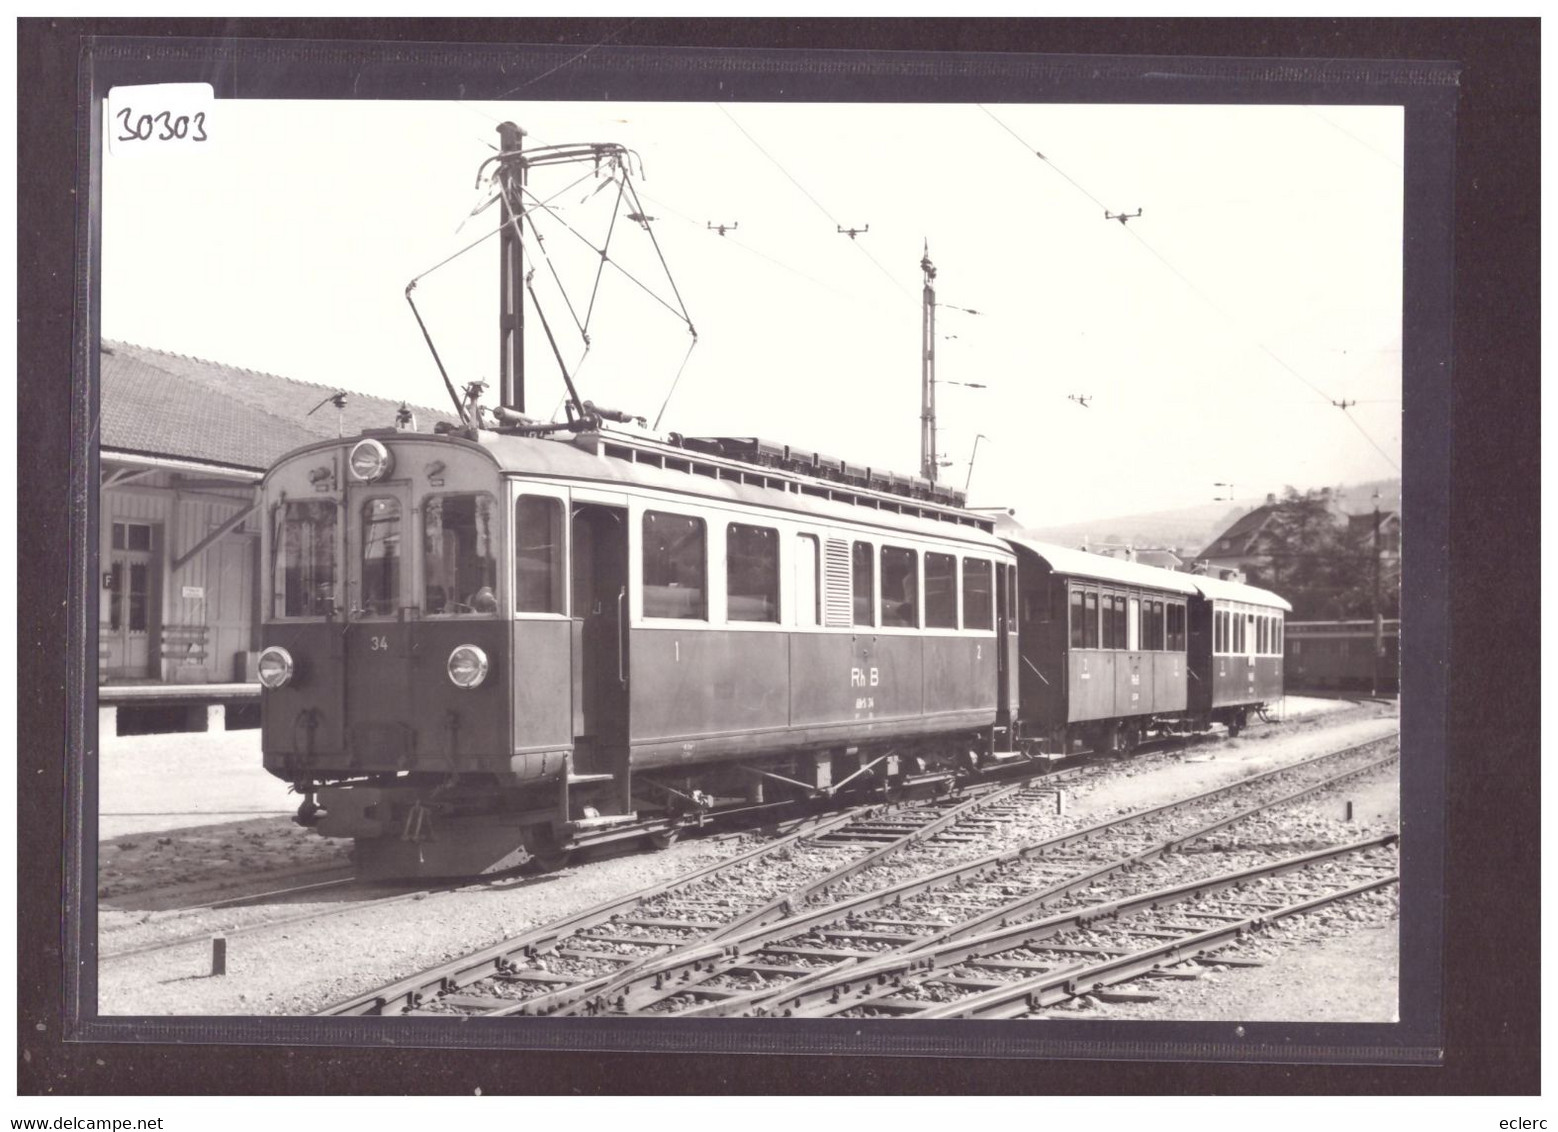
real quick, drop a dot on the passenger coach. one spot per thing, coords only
(1103, 647)
(1236, 635)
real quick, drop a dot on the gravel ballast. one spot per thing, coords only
(301, 968)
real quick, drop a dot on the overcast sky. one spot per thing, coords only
(1210, 335)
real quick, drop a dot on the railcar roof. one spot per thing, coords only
(1237, 591)
(1084, 564)
(634, 462)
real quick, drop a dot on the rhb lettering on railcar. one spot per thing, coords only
(864, 678)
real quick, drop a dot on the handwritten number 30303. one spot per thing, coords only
(193, 127)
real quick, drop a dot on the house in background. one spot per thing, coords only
(1255, 547)
(1361, 533)
(182, 446)
(1232, 554)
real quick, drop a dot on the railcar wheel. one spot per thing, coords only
(548, 860)
(1235, 724)
(545, 854)
(665, 839)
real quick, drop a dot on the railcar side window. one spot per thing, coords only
(864, 584)
(675, 567)
(941, 591)
(979, 597)
(305, 560)
(900, 587)
(459, 555)
(751, 573)
(1090, 620)
(1176, 626)
(1078, 621)
(808, 589)
(538, 554)
(380, 556)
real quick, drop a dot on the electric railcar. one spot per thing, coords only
(485, 647)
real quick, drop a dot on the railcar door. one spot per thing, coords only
(378, 687)
(1005, 647)
(600, 598)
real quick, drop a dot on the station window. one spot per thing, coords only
(808, 589)
(380, 556)
(128, 602)
(459, 555)
(864, 573)
(305, 560)
(132, 536)
(538, 554)
(900, 587)
(1078, 621)
(978, 597)
(751, 573)
(675, 567)
(1090, 619)
(941, 591)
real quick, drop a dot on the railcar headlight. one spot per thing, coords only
(370, 461)
(467, 666)
(275, 666)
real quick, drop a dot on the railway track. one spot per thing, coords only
(1018, 970)
(693, 946)
(784, 829)
(579, 953)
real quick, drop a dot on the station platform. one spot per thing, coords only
(154, 706)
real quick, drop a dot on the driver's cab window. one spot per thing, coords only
(459, 555)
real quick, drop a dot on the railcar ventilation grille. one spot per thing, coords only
(836, 584)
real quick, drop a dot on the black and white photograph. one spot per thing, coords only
(471, 509)
(908, 563)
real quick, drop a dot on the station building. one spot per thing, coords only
(183, 443)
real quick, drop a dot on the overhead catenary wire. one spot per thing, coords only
(807, 194)
(746, 247)
(1197, 291)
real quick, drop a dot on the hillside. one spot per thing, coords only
(1190, 529)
